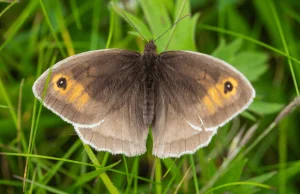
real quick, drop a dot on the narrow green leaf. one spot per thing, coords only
(19, 22)
(158, 186)
(239, 183)
(107, 182)
(194, 173)
(91, 175)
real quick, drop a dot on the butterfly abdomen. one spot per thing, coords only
(148, 108)
(148, 87)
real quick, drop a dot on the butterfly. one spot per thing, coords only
(113, 96)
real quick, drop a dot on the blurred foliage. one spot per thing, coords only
(260, 38)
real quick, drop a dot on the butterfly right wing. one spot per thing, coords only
(85, 88)
(173, 136)
(207, 91)
(196, 94)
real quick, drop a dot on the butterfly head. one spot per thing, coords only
(150, 47)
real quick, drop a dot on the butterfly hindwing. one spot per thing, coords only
(172, 134)
(119, 132)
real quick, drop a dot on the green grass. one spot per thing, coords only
(258, 152)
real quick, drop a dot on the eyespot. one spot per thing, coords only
(62, 83)
(228, 87)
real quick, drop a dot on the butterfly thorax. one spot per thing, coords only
(149, 63)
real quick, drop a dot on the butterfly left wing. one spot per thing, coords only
(120, 132)
(97, 92)
(84, 88)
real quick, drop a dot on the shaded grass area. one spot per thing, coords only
(251, 154)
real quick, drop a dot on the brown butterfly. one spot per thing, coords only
(113, 96)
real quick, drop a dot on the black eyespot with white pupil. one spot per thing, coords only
(62, 83)
(228, 87)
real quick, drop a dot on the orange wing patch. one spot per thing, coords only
(74, 91)
(216, 97)
(80, 101)
(209, 104)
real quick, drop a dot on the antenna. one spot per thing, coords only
(173, 26)
(139, 31)
(130, 22)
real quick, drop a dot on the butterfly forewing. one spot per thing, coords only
(206, 88)
(85, 88)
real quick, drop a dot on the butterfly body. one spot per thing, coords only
(112, 97)
(150, 74)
